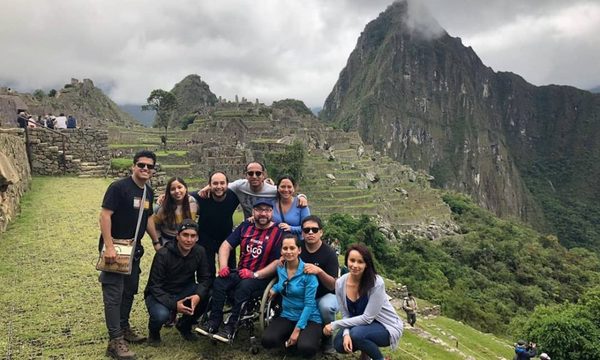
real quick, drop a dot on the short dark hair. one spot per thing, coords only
(313, 218)
(213, 173)
(262, 166)
(291, 236)
(144, 153)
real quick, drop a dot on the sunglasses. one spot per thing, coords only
(144, 165)
(285, 285)
(252, 173)
(307, 230)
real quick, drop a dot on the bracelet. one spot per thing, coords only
(155, 242)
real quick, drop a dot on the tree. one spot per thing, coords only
(39, 94)
(164, 103)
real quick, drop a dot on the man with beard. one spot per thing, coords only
(215, 221)
(260, 247)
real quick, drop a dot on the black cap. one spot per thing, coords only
(187, 224)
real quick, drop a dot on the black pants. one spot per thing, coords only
(244, 289)
(411, 317)
(280, 329)
(117, 293)
(211, 252)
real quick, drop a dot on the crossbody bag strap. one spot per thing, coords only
(140, 215)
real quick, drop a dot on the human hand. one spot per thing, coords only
(204, 192)
(182, 307)
(224, 272)
(302, 201)
(110, 254)
(312, 269)
(293, 340)
(245, 273)
(285, 227)
(272, 294)
(250, 219)
(160, 199)
(347, 344)
(328, 330)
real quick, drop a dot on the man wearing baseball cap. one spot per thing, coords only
(260, 247)
(179, 280)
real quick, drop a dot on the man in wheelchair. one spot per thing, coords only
(260, 247)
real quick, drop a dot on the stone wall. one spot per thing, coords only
(15, 175)
(69, 151)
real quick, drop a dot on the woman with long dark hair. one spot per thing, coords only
(299, 325)
(369, 320)
(176, 206)
(286, 211)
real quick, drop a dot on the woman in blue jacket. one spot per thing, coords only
(299, 324)
(286, 211)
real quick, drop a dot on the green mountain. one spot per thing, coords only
(418, 95)
(193, 98)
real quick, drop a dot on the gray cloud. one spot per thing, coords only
(273, 49)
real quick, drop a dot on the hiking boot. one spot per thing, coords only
(207, 329)
(225, 335)
(132, 337)
(328, 349)
(186, 333)
(118, 349)
(154, 339)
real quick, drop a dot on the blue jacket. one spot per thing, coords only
(293, 217)
(299, 304)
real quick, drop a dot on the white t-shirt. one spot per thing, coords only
(61, 122)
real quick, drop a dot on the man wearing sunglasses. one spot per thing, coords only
(252, 188)
(118, 220)
(321, 260)
(260, 249)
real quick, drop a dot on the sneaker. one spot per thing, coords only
(186, 333)
(206, 329)
(328, 349)
(132, 337)
(225, 335)
(154, 339)
(118, 349)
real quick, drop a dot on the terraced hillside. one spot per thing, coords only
(52, 299)
(341, 174)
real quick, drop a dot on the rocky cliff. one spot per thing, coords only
(421, 97)
(193, 98)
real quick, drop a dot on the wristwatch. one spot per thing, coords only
(255, 275)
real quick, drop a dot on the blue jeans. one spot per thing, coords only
(160, 314)
(367, 338)
(328, 307)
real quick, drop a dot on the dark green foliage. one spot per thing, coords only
(494, 271)
(567, 331)
(187, 120)
(52, 93)
(288, 162)
(68, 86)
(164, 103)
(297, 105)
(39, 94)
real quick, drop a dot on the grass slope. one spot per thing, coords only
(52, 299)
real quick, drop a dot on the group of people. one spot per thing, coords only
(278, 238)
(25, 120)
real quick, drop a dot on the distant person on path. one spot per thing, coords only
(22, 119)
(118, 220)
(321, 260)
(215, 217)
(176, 205)
(50, 121)
(524, 350)
(179, 281)
(60, 122)
(286, 211)
(299, 325)
(260, 247)
(409, 305)
(252, 188)
(369, 320)
(71, 122)
(163, 141)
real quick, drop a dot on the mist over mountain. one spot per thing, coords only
(146, 118)
(420, 96)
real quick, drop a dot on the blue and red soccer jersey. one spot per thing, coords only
(258, 247)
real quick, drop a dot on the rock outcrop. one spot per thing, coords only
(15, 175)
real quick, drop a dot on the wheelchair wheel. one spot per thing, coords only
(269, 309)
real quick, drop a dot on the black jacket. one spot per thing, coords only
(171, 273)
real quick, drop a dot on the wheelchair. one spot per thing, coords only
(259, 309)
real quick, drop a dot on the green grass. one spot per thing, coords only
(52, 299)
(133, 146)
(171, 152)
(120, 163)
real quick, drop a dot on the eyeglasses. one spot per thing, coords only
(285, 285)
(259, 210)
(144, 165)
(307, 230)
(253, 173)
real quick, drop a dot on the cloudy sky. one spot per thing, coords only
(272, 49)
